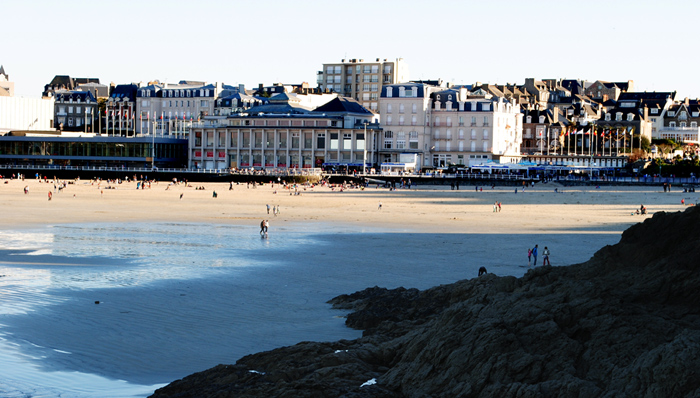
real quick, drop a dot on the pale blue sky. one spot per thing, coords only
(251, 42)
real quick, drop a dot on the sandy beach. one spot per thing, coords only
(210, 290)
(424, 208)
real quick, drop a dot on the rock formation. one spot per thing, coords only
(626, 323)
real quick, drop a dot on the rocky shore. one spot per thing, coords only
(626, 323)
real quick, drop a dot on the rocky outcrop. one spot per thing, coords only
(624, 324)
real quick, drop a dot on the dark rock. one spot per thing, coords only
(624, 324)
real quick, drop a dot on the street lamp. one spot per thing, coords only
(364, 155)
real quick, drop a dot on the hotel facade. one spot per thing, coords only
(285, 134)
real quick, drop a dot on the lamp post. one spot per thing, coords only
(364, 155)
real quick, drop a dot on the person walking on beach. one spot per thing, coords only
(545, 258)
(495, 206)
(50, 194)
(534, 255)
(499, 207)
(263, 227)
(529, 256)
(380, 206)
(268, 208)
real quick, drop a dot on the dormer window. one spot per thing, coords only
(528, 119)
(618, 116)
(541, 119)
(449, 105)
(389, 92)
(630, 117)
(672, 113)
(654, 111)
(607, 117)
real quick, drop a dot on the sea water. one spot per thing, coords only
(118, 310)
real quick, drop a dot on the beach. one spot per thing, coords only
(185, 282)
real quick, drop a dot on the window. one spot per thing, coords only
(618, 116)
(437, 120)
(388, 139)
(461, 120)
(401, 108)
(449, 121)
(486, 146)
(541, 119)
(672, 113)
(204, 103)
(683, 124)
(414, 120)
(461, 146)
(486, 120)
(388, 108)
(630, 117)
(337, 69)
(414, 108)
(347, 141)
(447, 145)
(473, 120)
(334, 141)
(528, 119)
(413, 140)
(360, 141)
(401, 121)
(388, 120)
(449, 134)
(401, 140)
(607, 117)
(473, 146)
(473, 135)
(295, 140)
(365, 87)
(694, 125)
(461, 134)
(671, 124)
(486, 134)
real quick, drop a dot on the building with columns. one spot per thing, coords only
(286, 133)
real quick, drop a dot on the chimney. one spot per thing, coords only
(241, 88)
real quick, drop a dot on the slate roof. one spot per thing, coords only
(125, 90)
(343, 105)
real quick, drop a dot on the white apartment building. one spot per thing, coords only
(362, 80)
(443, 127)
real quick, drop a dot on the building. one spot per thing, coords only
(362, 80)
(55, 148)
(120, 111)
(168, 109)
(285, 133)
(681, 122)
(603, 91)
(67, 83)
(542, 131)
(7, 88)
(22, 113)
(74, 111)
(441, 127)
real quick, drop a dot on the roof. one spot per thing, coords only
(2, 71)
(343, 105)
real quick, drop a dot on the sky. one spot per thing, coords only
(275, 41)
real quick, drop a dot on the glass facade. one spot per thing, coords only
(79, 153)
